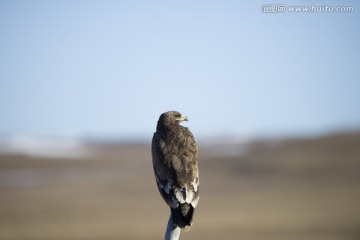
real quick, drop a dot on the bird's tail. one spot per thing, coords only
(183, 216)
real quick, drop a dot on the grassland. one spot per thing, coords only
(285, 189)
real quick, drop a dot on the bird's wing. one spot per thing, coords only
(176, 168)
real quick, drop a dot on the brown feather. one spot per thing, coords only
(175, 162)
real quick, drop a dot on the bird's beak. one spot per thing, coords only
(182, 118)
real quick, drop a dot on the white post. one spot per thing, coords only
(172, 231)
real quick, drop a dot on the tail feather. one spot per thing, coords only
(183, 215)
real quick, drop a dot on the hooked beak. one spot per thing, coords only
(182, 118)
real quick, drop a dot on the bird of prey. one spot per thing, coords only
(175, 162)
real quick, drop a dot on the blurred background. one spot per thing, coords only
(272, 99)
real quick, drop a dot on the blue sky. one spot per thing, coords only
(110, 68)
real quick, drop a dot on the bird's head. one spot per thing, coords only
(170, 118)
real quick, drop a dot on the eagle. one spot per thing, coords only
(175, 162)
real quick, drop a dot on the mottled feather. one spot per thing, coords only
(175, 162)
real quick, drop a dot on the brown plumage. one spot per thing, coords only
(175, 162)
